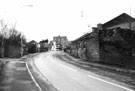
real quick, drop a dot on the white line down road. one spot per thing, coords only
(40, 89)
(65, 77)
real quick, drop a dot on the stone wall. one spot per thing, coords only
(113, 47)
(92, 49)
(86, 49)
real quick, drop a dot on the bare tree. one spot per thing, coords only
(3, 29)
(10, 37)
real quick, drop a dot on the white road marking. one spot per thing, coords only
(111, 83)
(68, 67)
(32, 77)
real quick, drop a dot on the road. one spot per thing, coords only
(66, 77)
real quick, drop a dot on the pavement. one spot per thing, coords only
(15, 77)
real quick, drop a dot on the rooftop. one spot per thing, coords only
(123, 18)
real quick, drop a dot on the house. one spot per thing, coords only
(123, 21)
(32, 46)
(44, 45)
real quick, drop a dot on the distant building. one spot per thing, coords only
(124, 21)
(61, 40)
(32, 46)
(44, 45)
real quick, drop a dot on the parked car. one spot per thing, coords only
(58, 47)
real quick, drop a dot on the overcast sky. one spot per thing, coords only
(43, 19)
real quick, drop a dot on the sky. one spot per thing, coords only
(43, 19)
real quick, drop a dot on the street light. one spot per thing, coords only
(23, 6)
(30, 5)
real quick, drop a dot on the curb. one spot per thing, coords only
(40, 89)
(43, 83)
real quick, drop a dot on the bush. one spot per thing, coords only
(10, 37)
(116, 46)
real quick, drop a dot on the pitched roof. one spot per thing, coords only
(123, 18)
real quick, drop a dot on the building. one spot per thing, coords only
(61, 40)
(32, 46)
(111, 43)
(123, 21)
(44, 45)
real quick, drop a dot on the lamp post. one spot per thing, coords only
(21, 39)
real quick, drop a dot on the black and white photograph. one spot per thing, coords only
(67, 45)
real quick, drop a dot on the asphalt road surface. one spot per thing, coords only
(66, 77)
